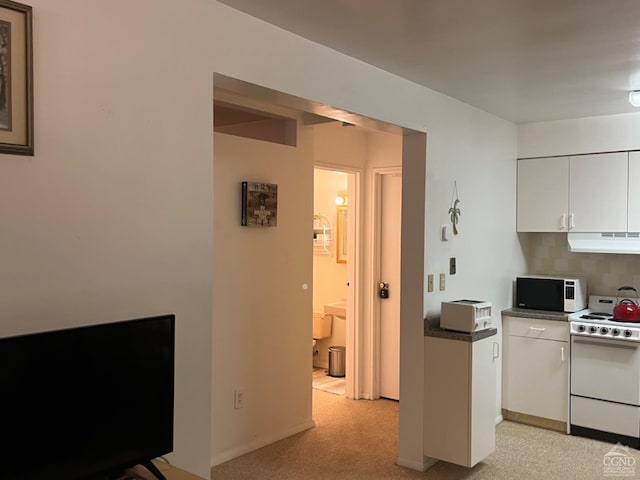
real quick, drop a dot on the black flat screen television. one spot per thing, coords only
(86, 402)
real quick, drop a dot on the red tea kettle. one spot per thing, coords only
(627, 310)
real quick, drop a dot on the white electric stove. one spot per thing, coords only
(605, 374)
(598, 321)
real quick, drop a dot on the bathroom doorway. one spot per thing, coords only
(334, 279)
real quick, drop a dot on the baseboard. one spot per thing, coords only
(420, 466)
(535, 421)
(499, 419)
(259, 443)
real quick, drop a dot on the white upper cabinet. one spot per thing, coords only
(585, 193)
(543, 194)
(633, 220)
(598, 192)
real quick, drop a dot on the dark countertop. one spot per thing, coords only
(432, 329)
(541, 314)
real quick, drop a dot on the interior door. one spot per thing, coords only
(390, 222)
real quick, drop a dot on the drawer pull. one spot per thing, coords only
(537, 329)
(562, 353)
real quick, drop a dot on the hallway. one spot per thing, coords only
(357, 440)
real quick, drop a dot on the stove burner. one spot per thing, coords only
(603, 314)
(593, 317)
(624, 321)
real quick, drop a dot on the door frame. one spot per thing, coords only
(375, 219)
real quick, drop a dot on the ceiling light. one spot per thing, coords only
(634, 98)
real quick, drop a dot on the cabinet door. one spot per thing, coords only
(598, 192)
(483, 399)
(543, 194)
(538, 377)
(633, 219)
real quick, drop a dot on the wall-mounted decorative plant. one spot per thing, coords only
(454, 211)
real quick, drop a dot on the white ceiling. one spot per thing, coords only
(523, 60)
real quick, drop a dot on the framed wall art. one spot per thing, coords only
(259, 204)
(16, 78)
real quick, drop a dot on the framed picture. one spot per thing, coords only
(259, 204)
(16, 78)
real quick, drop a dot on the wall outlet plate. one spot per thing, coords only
(442, 281)
(238, 399)
(430, 282)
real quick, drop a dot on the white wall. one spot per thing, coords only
(112, 218)
(262, 312)
(607, 133)
(481, 160)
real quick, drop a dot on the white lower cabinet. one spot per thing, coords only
(460, 399)
(536, 368)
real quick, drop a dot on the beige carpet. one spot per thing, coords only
(357, 440)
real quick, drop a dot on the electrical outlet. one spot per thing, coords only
(430, 282)
(442, 281)
(238, 399)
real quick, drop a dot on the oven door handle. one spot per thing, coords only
(606, 342)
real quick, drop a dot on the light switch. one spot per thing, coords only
(442, 281)
(430, 282)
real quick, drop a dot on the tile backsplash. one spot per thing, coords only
(548, 254)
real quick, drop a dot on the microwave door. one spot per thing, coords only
(541, 294)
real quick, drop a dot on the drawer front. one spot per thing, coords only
(534, 328)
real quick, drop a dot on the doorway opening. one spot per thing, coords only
(335, 282)
(264, 316)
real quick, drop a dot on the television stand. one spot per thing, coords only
(153, 469)
(166, 471)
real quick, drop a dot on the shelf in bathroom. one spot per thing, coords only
(322, 234)
(339, 309)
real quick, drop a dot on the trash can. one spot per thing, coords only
(336, 361)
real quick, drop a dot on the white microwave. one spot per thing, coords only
(555, 294)
(466, 315)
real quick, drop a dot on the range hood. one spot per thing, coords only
(604, 242)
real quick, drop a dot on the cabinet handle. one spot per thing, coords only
(496, 350)
(571, 224)
(563, 221)
(562, 353)
(537, 329)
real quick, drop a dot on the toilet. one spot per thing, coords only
(321, 326)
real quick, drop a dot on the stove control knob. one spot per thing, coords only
(604, 330)
(615, 332)
(627, 333)
(581, 328)
(593, 329)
